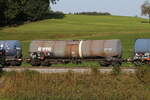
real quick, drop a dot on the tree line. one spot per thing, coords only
(12, 11)
(92, 13)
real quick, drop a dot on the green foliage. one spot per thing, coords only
(36, 9)
(2, 9)
(14, 11)
(146, 9)
(116, 70)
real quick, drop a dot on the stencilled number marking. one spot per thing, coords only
(45, 49)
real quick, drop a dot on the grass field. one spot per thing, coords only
(81, 27)
(30, 85)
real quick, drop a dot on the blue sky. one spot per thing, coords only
(115, 7)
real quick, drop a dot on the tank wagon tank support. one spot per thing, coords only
(47, 52)
(12, 51)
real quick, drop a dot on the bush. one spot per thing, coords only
(116, 70)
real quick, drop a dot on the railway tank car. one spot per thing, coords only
(47, 52)
(10, 53)
(141, 52)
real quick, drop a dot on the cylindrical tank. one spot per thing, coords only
(101, 48)
(77, 48)
(142, 46)
(55, 48)
(12, 48)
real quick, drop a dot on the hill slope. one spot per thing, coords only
(81, 27)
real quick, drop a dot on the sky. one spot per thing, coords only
(115, 7)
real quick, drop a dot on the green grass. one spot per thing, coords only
(81, 27)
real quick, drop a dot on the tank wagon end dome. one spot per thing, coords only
(142, 45)
(102, 48)
(12, 47)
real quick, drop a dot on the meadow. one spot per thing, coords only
(80, 27)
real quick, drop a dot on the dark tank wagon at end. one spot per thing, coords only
(10, 53)
(141, 52)
(2, 58)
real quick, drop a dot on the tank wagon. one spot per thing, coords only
(47, 52)
(141, 52)
(10, 53)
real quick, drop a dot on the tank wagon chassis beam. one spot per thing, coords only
(13, 62)
(139, 62)
(48, 62)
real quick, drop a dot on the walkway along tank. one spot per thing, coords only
(141, 52)
(47, 52)
(11, 52)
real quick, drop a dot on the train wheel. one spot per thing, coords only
(104, 64)
(7, 64)
(78, 62)
(46, 63)
(148, 63)
(35, 62)
(18, 64)
(66, 62)
(137, 63)
(13, 63)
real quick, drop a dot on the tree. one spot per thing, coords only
(14, 11)
(2, 10)
(146, 9)
(36, 9)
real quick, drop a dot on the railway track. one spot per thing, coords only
(65, 70)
